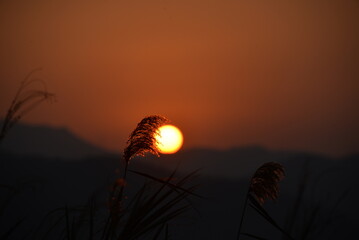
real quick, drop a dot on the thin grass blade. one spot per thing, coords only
(266, 216)
(253, 236)
(8, 233)
(168, 183)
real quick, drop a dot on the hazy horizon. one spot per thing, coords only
(18, 137)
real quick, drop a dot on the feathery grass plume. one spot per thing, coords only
(264, 183)
(24, 101)
(142, 139)
(263, 186)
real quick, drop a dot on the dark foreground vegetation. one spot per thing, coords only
(319, 202)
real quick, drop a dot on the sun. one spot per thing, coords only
(169, 139)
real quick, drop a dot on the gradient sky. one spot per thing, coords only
(282, 74)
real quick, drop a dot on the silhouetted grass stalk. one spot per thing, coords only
(263, 185)
(242, 216)
(141, 141)
(25, 100)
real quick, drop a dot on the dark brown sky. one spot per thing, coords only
(283, 74)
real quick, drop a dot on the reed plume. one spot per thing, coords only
(142, 139)
(264, 183)
(263, 186)
(24, 101)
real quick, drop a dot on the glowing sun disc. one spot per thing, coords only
(169, 139)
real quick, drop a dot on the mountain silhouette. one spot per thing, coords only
(25, 139)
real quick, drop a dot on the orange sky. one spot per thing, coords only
(282, 74)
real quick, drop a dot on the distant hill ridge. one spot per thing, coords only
(50, 142)
(60, 143)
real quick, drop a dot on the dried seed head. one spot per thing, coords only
(142, 139)
(24, 101)
(264, 183)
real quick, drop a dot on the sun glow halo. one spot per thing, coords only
(169, 138)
